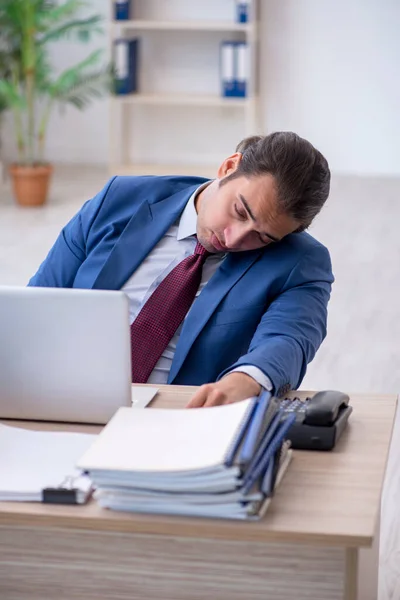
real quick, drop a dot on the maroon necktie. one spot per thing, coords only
(163, 312)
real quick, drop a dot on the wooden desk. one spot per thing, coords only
(318, 541)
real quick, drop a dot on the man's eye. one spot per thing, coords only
(242, 215)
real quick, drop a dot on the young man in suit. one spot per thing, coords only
(226, 289)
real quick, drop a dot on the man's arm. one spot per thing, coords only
(287, 337)
(61, 265)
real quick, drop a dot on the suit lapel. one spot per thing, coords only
(229, 272)
(143, 231)
(145, 228)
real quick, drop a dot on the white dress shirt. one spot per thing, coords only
(178, 243)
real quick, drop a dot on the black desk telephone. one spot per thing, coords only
(320, 420)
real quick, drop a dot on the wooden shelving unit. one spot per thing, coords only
(195, 25)
(123, 108)
(183, 100)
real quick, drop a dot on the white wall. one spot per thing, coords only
(330, 71)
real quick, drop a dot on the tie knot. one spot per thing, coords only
(201, 250)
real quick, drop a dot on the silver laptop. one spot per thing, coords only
(64, 354)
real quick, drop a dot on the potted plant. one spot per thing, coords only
(32, 90)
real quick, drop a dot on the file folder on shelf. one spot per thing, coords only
(126, 65)
(242, 11)
(241, 69)
(227, 69)
(234, 69)
(122, 10)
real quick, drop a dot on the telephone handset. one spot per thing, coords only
(320, 420)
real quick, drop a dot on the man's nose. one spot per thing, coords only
(235, 237)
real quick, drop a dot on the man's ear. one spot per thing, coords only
(229, 165)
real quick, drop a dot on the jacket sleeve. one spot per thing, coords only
(61, 265)
(294, 325)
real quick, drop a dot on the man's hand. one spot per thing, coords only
(231, 388)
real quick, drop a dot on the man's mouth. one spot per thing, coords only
(217, 244)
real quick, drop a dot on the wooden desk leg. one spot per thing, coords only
(362, 567)
(389, 570)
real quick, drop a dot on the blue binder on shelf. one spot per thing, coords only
(227, 69)
(234, 69)
(126, 65)
(122, 10)
(242, 11)
(241, 69)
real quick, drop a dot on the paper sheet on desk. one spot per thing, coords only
(142, 395)
(31, 461)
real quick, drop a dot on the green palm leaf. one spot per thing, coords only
(26, 75)
(82, 30)
(86, 88)
(11, 96)
(50, 12)
(69, 77)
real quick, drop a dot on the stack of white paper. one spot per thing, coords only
(142, 395)
(188, 462)
(38, 466)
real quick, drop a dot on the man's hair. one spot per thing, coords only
(301, 173)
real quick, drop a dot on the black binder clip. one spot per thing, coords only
(65, 493)
(58, 496)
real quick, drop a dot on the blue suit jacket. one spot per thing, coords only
(264, 307)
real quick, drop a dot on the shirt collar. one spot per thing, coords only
(188, 221)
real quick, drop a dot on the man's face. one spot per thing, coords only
(240, 214)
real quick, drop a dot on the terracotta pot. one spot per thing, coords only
(30, 184)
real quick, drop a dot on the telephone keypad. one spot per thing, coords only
(295, 405)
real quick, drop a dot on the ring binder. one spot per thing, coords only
(227, 68)
(122, 10)
(125, 56)
(232, 451)
(275, 444)
(135, 467)
(242, 11)
(241, 69)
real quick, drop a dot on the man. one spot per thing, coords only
(237, 243)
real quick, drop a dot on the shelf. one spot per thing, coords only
(183, 100)
(156, 169)
(180, 98)
(192, 25)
